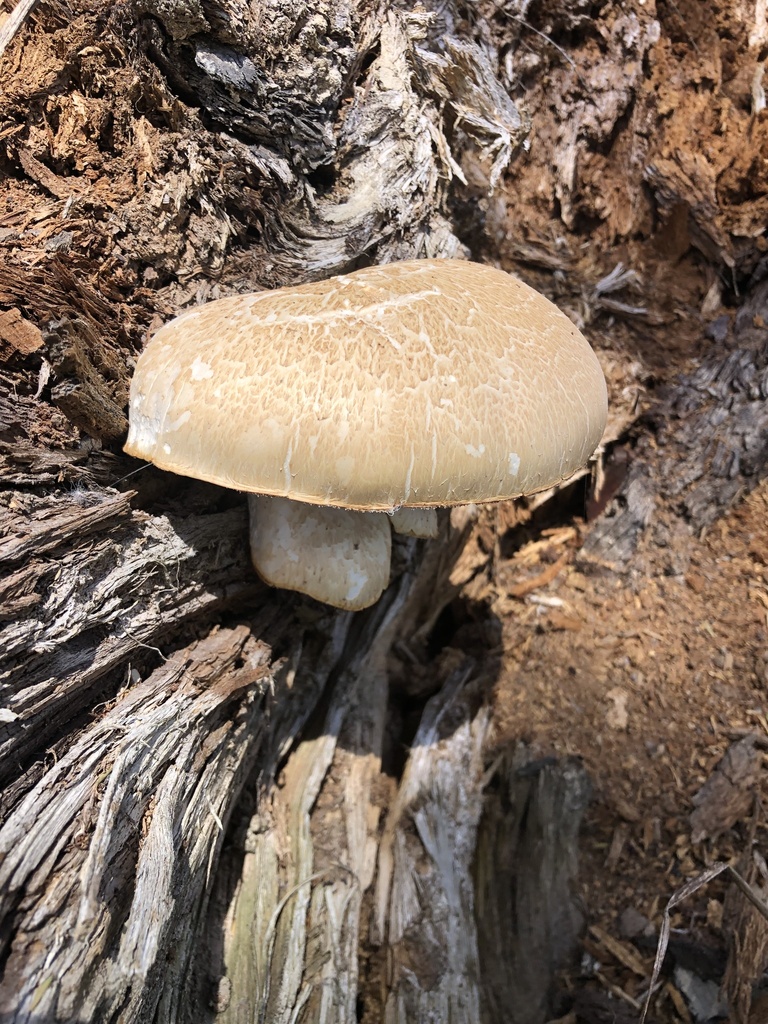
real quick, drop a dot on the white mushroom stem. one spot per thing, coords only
(415, 522)
(335, 555)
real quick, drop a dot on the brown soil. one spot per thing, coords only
(648, 677)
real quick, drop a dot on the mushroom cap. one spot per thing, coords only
(419, 383)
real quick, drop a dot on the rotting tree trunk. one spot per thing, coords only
(208, 813)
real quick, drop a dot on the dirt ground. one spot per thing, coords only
(649, 677)
(650, 672)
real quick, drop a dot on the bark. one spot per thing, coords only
(712, 427)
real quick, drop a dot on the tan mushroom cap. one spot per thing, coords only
(429, 382)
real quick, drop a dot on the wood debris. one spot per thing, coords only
(620, 951)
(728, 794)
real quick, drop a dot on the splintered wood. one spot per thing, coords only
(151, 776)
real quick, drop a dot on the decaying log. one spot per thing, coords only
(138, 803)
(280, 85)
(712, 424)
(203, 818)
(525, 869)
(311, 851)
(333, 857)
(87, 586)
(152, 866)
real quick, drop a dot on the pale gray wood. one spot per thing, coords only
(101, 587)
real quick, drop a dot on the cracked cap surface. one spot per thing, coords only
(424, 382)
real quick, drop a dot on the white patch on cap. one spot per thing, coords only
(426, 341)
(167, 449)
(287, 468)
(200, 370)
(179, 422)
(408, 474)
(474, 452)
(514, 463)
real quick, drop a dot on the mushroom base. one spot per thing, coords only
(338, 556)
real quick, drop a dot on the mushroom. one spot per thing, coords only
(395, 389)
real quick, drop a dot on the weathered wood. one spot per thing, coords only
(307, 855)
(81, 393)
(526, 869)
(424, 904)
(712, 426)
(99, 586)
(279, 82)
(138, 803)
(96, 589)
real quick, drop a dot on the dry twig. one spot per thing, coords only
(14, 21)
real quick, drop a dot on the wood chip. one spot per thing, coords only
(728, 793)
(617, 716)
(19, 333)
(678, 1002)
(620, 951)
(557, 620)
(618, 842)
(541, 580)
(617, 991)
(627, 811)
(37, 171)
